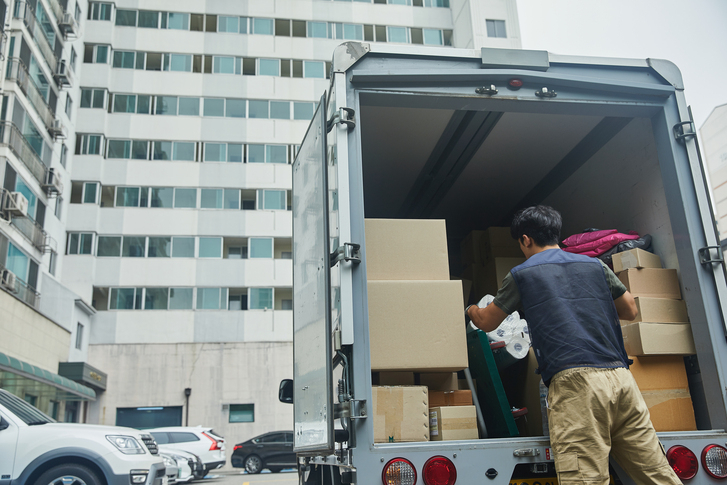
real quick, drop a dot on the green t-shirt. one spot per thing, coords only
(508, 296)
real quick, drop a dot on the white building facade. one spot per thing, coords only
(713, 134)
(185, 117)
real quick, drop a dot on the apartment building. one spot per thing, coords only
(173, 224)
(713, 134)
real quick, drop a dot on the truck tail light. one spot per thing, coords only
(215, 444)
(399, 471)
(683, 461)
(714, 460)
(439, 470)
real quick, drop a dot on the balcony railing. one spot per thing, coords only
(19, 73)
(11, 136)
(31, 230)
(57, 9)
(25, 12)
(22, 291)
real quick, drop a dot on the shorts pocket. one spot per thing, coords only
(567, 464)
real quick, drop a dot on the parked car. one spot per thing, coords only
(187, 466)
(273, 451)
(36, 450)
(199, 440)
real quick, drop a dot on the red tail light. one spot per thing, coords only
(399, 471)
(683, 461)
(439, 470)
(236, 447)
(215, 444)
(714, 460)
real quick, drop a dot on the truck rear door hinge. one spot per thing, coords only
(348, 252)
(684, 131)
(353, 408)
(346, 116)
(706, 258)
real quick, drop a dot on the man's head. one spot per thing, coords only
(541, 224)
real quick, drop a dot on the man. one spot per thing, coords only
(572, 304)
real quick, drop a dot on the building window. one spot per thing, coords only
(126, 18)
(125, 299)
(96, 54)
(73, 58)
(109, 246)
(176, 21)
(180, 299)
(79, 335)
(242, 413)
(93, 98)
(69, 105)
(64, 155)
(80, 243)
(98, 11)
(211, 298)
(89, 144)
(58, 208)
(183, 247)
(260, 247)
(210, 247)
(496, 28)
(261, 298)
(52, 263)
(78, 13)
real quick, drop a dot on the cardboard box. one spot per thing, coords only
(450, 398)
(659, 372)
(417, 325)
(670, 410)
(652, 282)
(453, 423)
(635, 258)
(406, 249)
(661, 310)
(439, 381)
(396, 378)
(481, 246)
(487, 279)
(401, 413)
(658, 339)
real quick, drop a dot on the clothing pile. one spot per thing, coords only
(604, 243)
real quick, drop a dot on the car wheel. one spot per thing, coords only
(68, 475)
(253, 464)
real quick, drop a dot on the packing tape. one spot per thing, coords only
(653, 398)
(459, 423)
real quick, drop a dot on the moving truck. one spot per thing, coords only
(468, 137)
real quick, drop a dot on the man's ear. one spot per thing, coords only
(526, 241)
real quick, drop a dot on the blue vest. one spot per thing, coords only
(570, 311)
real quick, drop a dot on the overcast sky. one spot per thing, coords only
(692, 34)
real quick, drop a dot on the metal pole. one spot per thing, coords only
(187, 392)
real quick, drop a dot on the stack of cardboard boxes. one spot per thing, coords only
(416, 331)
(487, 257)
(658, 339)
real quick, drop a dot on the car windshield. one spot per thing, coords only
(30, 415)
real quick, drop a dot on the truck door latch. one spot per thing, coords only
(526, 452)
(682, 133)
(490, 90)
(706, 258)
(348, 252)
(544, 92)
(346, 116)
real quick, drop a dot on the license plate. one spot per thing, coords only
(535, 481)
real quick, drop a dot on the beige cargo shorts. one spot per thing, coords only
(593, 412)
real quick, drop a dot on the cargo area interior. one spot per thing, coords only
(474, 168)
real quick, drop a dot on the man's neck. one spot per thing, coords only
(535, 249)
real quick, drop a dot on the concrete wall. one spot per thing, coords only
(31, 337)
(218, 374)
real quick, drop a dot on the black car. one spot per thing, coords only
(273, 451)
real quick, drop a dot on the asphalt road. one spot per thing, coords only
(237, 477)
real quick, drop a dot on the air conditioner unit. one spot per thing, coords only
(53, 184)
(57, 130)
(63, 74)
(68, 25)
(8, 280)
(16, 204)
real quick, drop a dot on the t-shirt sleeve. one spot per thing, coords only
(614, 284)
(508, 296)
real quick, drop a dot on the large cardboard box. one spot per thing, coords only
(406, 249)
(487, 278)
(651, 282)
(481, 246)
(439, 381)
(670, 410)
(401, 413)
(661, 310)
(449, 398)
(658, 339)
(635, 258)
(417, 326)
(659, 372)
(396, 378)
(453, 423)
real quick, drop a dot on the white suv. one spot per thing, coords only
(201, 441)
(35, 450)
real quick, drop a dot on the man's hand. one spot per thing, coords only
(486, 319)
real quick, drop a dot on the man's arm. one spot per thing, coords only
(488, 318)
(626, 306)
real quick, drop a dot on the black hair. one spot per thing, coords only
(540, 222)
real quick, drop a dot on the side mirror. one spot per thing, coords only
(285, 392)
(5, 425)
